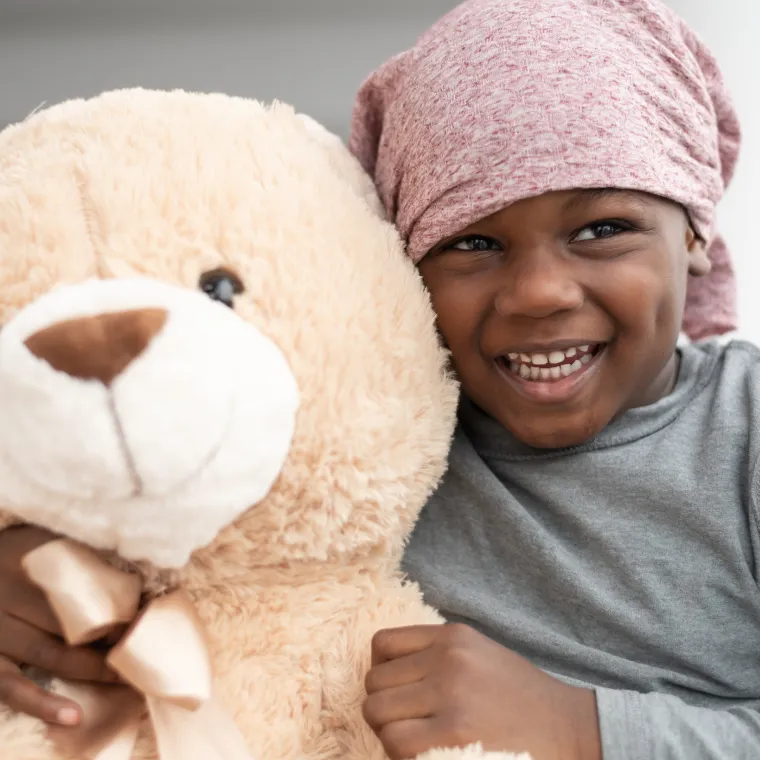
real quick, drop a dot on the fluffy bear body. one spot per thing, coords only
(267, 450)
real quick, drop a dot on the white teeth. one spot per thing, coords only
(553, 357)
(536, 366)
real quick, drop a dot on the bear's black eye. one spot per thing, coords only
(222, 285)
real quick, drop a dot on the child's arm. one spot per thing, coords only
(434, 686)
(659, 727)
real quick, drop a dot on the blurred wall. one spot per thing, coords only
(313, 53)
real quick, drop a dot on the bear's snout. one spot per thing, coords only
(98, 347)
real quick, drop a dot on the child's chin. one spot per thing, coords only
(553, 432)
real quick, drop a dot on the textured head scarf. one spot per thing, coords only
(503, 100)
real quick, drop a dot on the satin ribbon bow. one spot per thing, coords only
(163, 660)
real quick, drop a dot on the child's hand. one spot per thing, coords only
(449, 686)
(30, 635)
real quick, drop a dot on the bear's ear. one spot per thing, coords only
(344, 163)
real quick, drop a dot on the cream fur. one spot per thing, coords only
(341, 406)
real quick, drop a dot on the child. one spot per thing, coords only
(555, 166)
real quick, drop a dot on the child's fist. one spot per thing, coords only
(449, 686)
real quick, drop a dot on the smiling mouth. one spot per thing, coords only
(552, 366)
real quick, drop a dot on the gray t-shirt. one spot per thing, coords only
(629, 564)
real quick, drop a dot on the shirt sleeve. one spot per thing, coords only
(659, 727)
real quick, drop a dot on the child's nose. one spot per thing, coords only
(539, 286)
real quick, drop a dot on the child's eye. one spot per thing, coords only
(475, 243)
(599, 231)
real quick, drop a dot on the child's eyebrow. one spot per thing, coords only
(587, 196)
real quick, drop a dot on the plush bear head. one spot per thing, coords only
(213, 349)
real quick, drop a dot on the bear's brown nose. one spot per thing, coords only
(99, 347)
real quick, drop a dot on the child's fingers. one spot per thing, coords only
(408, 738)
(392, 643)
(23, 643)
(24, 696)
(412, 701)
(400, 672)
(24, 601)
(18, 596)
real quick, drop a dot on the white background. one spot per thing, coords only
(314, 54)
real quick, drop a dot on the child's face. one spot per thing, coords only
(562, 311)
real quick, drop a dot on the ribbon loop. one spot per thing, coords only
(89, 597)
(165, 654)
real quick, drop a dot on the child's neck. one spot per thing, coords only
(663, 385)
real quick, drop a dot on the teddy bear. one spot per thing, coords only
(219, 376)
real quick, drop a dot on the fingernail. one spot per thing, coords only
(68, 716)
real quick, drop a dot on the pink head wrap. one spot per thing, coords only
(503, 100)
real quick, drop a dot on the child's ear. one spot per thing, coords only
(699, 262)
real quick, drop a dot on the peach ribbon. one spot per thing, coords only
(163, 660)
